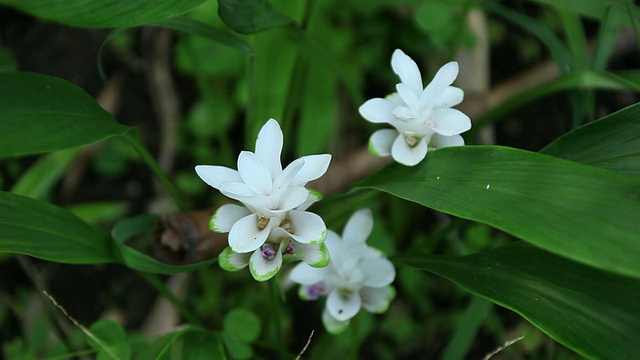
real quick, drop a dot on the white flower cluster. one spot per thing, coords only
(422, 117)
(273, 221)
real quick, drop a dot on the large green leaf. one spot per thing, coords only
(104, 13)
(582, 212)
(41, 113)
(250, 16)
(620, 150)
(48, 232)
(592, 312)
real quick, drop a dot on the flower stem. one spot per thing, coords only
(133, 137)
(276, 306)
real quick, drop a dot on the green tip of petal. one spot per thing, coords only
(231, 261)
(315, 193)
(373, 150)
(323, 259)
(263, 277)
(212, 223)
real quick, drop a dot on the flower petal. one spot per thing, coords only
(236, 190)
(263, 268)
(215, 175)
(308, 228)
(377, 110)
(439, 141)
(381, 141)
(358, 227)
(304, 274)
(245, 236)
(232, 261)
(269, 146)
(377, 272)
(316, 256)
(408, 96)
(376, 300)
(449, 121)
(223, 219)
(312, 292)
(312, 197)
(343, 304)
(407, 70)
(444, 77)
(406, 155)
(281, 183)
(294, 197)
(254, 173)
(450, 96)
(332, 325)
(314, 167)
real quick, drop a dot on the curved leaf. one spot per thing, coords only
(250, 16)
(134, 259)
(582, 212)
(48, 232)
(104, 13)
(621, 150)
(592, 312)
(41, 113)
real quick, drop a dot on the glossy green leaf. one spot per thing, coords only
(196, 27)
(582, 212)
(593, 312)
(38, 181)
(104, 13)
(112, 340)
(48, 232)
(621, 150)
(250, 16)
(41, 113)
(126, 229)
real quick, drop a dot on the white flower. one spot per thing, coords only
(357, 275)
(422, 118)
(275, 202)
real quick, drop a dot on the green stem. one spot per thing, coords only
(276, 307)
(161, 288)
(133, 137)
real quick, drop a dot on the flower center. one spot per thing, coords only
(269, 251)
(287, 226)
(290, 249)
(262, 222)
(314, 291)
(411, 140)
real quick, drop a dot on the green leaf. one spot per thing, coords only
(593, 312)
(620, 151)
(466, 330)
(44, 174)
(250, 16)
(242, 324)
(196, 27)
(582, 212)
(112, 338)
(48, 232)
(126, 229)
(41, 113)
(201, 344)
(104, 13)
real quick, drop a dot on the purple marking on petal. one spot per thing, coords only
(269, 251)
(291, 250)
(314, 291)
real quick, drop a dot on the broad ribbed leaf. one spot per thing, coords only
(590, 311)
(104, 13)
(582, 212)
(197, 27)
(250, 16)
(41, 113)
(48, 232)
(612, 142)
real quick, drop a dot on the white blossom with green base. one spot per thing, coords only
(358, 276)
(274, 216)
(422, 117)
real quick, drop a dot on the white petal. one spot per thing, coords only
(294, 197)
(358, 227)
(262, 268)
(227, 215)
(314, 167)
(343, 304)
(236, 189)
(406, 155)
(402, 112)
(232, 261)
(245, 236)
(307, 275)
(407, 70)
(332, 325)
(381, 141)
(216, 175)
(444, 77)
(376, 300)
(312, 197)
(450, 96)
(377, 272)
(308, 228)
(450, 121)
(254, 173)
(286, 176)
(408, 96)
(377, 110)
(269, 146)
(316, 256)
(439, 141)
